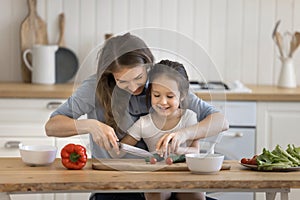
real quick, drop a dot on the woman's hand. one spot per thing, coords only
(63, 126)
(103, 135)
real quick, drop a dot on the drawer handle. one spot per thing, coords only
(234, 134)
(12, 144)
(53, 105)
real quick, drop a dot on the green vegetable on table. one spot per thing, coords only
(279, 158)
(175, 158)
(294, 151)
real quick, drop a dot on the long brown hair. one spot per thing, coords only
(118, 51)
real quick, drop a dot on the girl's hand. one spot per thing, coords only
(103, 135)
(170, 143)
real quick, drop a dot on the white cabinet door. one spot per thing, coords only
(278, 123)
(25, 117)
(22, 121)
(32, 196)
(72, 196)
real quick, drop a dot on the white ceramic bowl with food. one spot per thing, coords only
(35, 155)
(204, 163)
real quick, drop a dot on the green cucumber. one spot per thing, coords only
(174, 157)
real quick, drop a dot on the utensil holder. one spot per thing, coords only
(287, 77)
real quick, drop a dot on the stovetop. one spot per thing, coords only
(211, 85)
(219, 86)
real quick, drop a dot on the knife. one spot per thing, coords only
(134, 150)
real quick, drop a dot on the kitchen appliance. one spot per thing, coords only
(209, 85)
(239, 140)
(219, 86)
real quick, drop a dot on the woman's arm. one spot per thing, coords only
(212, 125)
(128, 139)
(63, 126)
(193, 148)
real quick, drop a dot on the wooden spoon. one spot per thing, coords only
(293, 44)
(297, 38)
(61, 40)
(279, 42)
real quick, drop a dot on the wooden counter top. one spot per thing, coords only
(259, 93)
(25, 90)
(16, 177)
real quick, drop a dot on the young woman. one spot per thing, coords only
(114, 98)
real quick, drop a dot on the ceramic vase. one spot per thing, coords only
(287, 77)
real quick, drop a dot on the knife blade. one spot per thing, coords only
(134, 150)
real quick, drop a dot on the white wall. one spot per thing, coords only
(236, 33)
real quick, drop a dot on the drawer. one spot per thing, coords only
(26, 117)
(9, 145)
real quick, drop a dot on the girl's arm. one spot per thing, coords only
(212, 125)
(128, 139)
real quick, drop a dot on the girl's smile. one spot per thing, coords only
(165, 96)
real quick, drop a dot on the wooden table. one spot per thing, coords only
(16, 177)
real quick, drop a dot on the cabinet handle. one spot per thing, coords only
(234, 134)
(53, 105)
(12, 144)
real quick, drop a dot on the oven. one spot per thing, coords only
(238, 141)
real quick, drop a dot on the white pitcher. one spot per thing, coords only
(43, 63)
(287, 77)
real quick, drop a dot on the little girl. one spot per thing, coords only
(168, 87)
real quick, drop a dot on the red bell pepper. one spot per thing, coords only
(73, 156)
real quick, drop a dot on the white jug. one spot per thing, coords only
(287, 77)
(43, 63)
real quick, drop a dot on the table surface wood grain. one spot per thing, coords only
(16, 177)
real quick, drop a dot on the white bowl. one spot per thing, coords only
(34, 155)
(204, 163)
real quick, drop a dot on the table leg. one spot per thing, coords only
(284, 195)
(270, 195)
(4, 196)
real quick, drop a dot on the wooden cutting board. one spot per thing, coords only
(61, 39)
(140, 165)
(33, 31)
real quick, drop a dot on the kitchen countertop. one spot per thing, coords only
(26, 90)
(16, 177)
(259, 92)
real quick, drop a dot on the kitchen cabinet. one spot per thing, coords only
(278, 123)
(22, 122)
